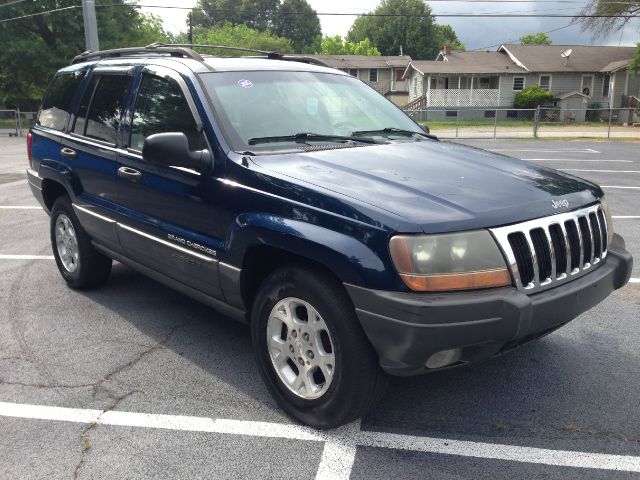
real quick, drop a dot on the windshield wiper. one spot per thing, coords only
(310, 136)
(392, 130)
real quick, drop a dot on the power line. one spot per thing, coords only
(39, 13)
(411, 15)
(513, 39)
(341, 14)
(7, 4)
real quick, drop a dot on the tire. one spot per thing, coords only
(355, 383)
(80, 264)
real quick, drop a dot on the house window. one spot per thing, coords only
(353, 72)
(399, 74)
(587, 85)
(518, 84)
(545, 82)
(489, 114)
(485, 82)
(606, 85)
(452, 113)
(512, 114)
(373, 75)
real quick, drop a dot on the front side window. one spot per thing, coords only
(162, 107)
(373, 75)
(282, 103)
(101, 107)
(587, 85)
(56, 105)
(606, 85)
(518, 84)
(545, 82)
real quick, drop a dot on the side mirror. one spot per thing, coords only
(171, 149)
(425, 128)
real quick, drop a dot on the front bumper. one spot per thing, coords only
(406, 329)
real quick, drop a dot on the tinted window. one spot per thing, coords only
(162, 107)
(57, 102)
(106, 107)
(81, 118)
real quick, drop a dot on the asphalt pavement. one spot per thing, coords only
(135, 380)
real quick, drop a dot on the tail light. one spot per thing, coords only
(29, 140)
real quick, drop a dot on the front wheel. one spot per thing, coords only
(311, 350)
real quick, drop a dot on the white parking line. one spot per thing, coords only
(599, 171)
(26, 257)
(340, 444)
(619, 186)
(634, 280)
(19, 207)
(626, 217)
(575, 160)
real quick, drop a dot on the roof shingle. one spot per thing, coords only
(583, 58)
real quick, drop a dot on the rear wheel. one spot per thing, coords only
(311, 350)
(80, 264)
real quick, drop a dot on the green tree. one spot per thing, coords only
(535, 39)
(297, 21)
(532, 97)
(241, 36)
(604, 16)
(447, 35)
(415, 31)
(34, 48)
(258, 14)
(337, 46)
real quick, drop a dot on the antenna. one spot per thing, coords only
(566, 54)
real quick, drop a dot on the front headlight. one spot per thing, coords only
(449, 261)
(608, 219)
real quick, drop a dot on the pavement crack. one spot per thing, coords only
(113, 399)
(85, 440)
(45, 385)
(150, 349)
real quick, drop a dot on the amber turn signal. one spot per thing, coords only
(457, 281)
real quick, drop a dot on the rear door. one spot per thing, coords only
(173, 220)
(92, 146)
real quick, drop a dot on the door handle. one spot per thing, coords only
(129, 174)
(68, 153)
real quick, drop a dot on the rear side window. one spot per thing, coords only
(56, 105)
(101, 107)
(162, 107)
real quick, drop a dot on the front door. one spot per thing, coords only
(171, 221)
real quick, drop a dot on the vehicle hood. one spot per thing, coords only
(439, 186)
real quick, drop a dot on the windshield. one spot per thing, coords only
(285, 104)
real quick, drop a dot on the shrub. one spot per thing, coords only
(532, 97)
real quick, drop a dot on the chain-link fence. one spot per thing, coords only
(556, 122)
(15, 123)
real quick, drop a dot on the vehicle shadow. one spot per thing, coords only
(559, 386)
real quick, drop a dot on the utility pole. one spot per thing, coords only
(190, 34)
(90, 25)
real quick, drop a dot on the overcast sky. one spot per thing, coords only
(474, 33)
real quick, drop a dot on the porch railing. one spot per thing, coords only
(478, 97)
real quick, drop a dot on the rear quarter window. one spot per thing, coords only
(56, 105)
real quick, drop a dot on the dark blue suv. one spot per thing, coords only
(293, 197)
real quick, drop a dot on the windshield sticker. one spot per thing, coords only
(244, 83)
(312, 106)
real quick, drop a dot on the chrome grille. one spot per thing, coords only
(548, 251)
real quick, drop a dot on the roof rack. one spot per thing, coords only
(174, 51)
(185, 50)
